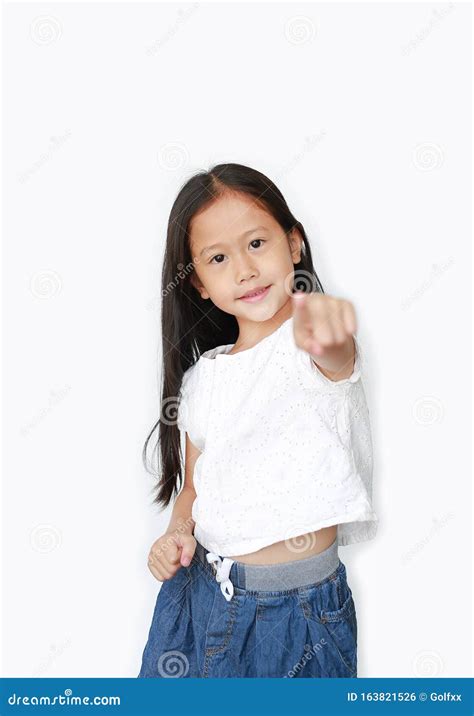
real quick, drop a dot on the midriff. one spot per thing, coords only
(292, 549)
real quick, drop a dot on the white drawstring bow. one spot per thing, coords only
(222, 567)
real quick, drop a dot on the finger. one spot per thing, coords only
(349, 317)
(188, 547)
(338, 326)
(158, 571)
(157, 574)
(311, 345)
(307, 313)
(171, 552)
(157, 559)
(301, 311)
(166, 552)
(322, 331)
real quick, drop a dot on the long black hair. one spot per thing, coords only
(191, 325)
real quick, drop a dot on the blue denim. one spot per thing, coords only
(302, 624)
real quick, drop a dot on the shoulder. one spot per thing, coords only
(193, 405)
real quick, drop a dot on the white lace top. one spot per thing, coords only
(284, 450)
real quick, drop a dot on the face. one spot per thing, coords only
(238, 247)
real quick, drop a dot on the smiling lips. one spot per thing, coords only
(256, 295)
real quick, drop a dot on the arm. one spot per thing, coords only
(181, 516)
(175, 548)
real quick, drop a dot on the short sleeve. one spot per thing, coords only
(189, 418)
(184, 405)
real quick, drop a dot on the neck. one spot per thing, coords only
(252, 332)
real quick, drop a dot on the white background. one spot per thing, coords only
(361, 113)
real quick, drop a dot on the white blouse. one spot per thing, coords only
(284, 449)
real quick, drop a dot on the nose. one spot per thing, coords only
(245, 270)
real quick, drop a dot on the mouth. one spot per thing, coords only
(256, 295)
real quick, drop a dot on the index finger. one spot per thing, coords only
(301, 311)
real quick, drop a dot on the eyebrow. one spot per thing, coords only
(246, 233)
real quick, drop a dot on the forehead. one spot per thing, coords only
(227, 218)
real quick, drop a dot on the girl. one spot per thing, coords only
(278, 452)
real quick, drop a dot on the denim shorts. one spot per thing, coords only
(219, 618)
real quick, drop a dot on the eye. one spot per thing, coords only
(215, 257)
(262, 241)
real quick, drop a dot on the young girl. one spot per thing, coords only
(278, 455)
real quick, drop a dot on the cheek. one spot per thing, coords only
(219, 285)
(281, 251)
(283, 262)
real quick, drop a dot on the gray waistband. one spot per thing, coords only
(282, 576)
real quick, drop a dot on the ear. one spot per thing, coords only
(296, 243)
(195, 281)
